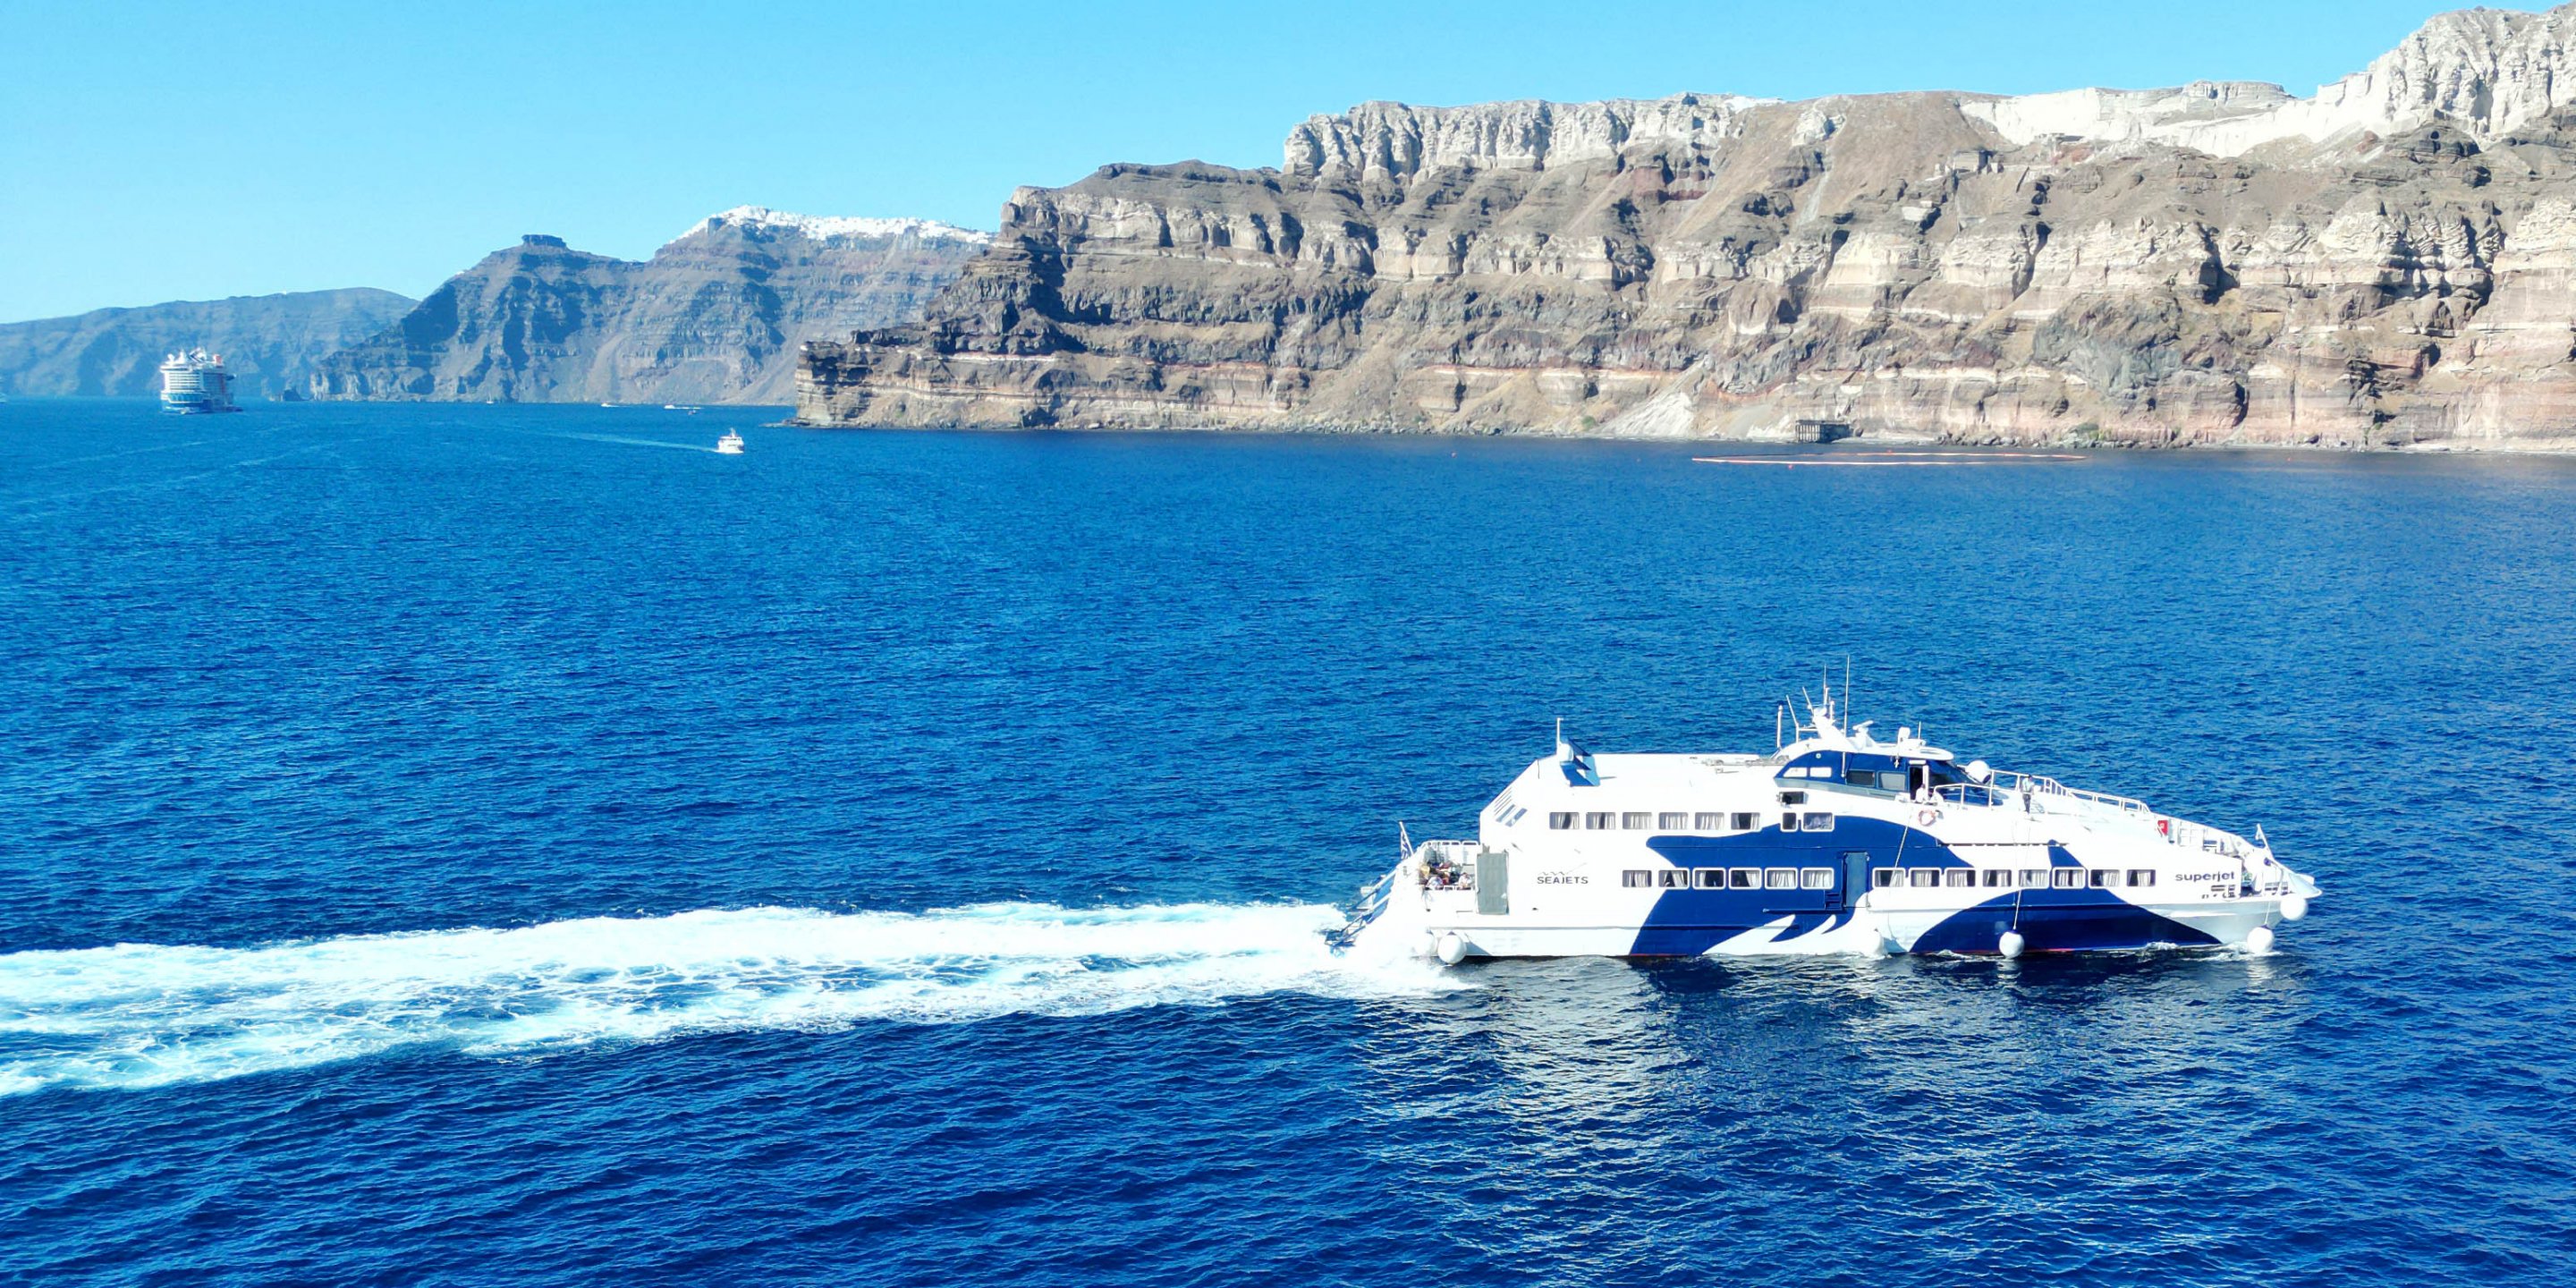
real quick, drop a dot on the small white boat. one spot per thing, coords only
(729, 445)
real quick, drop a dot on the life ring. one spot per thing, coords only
(1926, 816)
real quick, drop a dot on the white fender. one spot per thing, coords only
(2294, 907)
(1452, 948)
(2011, 944)
(2258, 941)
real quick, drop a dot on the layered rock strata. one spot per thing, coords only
(2391, 261)
(714, 316)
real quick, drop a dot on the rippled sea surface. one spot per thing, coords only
(503, 845)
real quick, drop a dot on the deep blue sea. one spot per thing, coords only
(491, 845)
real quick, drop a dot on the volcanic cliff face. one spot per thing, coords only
(269, 342)
(715, 316)
(2390, 261)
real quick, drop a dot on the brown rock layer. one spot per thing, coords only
(1894, 265)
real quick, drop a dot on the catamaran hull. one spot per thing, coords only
(1970, 931)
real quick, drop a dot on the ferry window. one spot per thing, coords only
(1745, 823)
(1819, 823)
(1959, 877)
(1559, 822)
(1793, 798)
(1882, 879)
(1711, 823)
(1997, 877)
(1676, 878)
(1924, 877)
(1600, 822)
(1780, 879)
(2100, 877)
(1891, 780)
(2066, 878)
(1788, 822)
(1673, 822)
(1637, 878)
(2032, 877)
(1744, 879)
(1638, 820)
(1712, 878)
(2142, 876)
(1817, 878)
(1860, 778)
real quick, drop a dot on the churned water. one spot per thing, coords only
(500, 845)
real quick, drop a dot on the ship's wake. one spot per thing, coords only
(142, 1015)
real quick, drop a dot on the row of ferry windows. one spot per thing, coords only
(1645, 820)
(2028, 878)
(1884, 878)
(1728, 878)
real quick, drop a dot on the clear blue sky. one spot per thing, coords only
(188, 151)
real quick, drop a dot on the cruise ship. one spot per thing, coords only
(194, 381)
(1837, 842)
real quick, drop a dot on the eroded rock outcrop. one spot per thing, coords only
(714, 316)
(2390, 261)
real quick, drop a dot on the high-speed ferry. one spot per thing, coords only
(1836, 842)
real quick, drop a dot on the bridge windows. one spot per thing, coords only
(1637, 820)
(1561, 821)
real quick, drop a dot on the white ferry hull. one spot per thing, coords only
(1864, 933)
(1784, 936)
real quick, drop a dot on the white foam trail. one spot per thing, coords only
(142, 1015)
(632, 442)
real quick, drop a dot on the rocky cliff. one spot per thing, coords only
(2389, 261)
(715, 316)
(270, 342)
